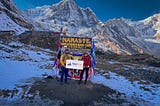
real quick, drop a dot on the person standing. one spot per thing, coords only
(64, 57)
(86, 65)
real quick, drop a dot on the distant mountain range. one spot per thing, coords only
(120, 36)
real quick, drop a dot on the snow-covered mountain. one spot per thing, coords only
(150, 28)
(119, 36)
(11, 18)
(153, 23)
(117, 33)
(65, 14)
(135, 37)
(78, 21)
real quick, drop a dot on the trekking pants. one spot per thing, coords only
(64, 72)
(81, 76)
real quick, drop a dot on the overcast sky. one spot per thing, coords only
(106, 9)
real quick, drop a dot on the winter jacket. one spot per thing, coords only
(86, 61)
(63, 59)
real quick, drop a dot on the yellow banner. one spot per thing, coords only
(76, 42)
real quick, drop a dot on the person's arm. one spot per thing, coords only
(62, 60)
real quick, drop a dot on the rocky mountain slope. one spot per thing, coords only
(11, 18)
(118, 33)
(150, 31)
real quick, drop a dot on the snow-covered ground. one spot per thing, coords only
(149, 93)
(21, 64)
(16, 72)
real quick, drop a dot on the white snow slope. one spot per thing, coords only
(131, 89)
(21, 64)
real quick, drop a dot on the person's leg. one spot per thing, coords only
(66, 74)
(62, 74)
(86, 69)
(81, 76)
(69, 74)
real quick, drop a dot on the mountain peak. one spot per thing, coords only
(68, 3)
(65, 13)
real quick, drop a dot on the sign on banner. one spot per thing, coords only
(76, 42)
(74, 64)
